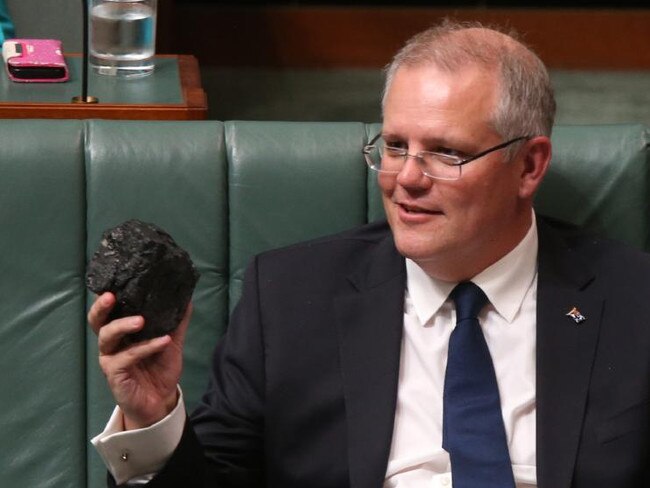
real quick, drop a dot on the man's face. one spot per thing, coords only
(459, 227)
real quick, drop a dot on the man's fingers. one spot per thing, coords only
(98, 313)
(109, 338)
(133, 354)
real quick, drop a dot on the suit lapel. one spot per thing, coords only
(565, 354)
(369, 319)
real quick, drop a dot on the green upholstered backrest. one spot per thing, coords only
(174, 175)
(224, 191)
(599, 179)
(42, 251)
(295, 181)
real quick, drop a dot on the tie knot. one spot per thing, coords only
(469, 300)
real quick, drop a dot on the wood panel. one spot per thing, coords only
(337, 37)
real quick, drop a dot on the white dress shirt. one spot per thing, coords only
(137, 455)
(417, 458)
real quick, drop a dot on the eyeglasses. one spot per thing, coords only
(385, 157)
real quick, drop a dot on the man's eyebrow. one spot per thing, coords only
(390, 135)
(430, 141)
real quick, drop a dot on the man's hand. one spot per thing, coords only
(143, 377)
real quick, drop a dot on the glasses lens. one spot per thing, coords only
(440, 166)
(389, 158)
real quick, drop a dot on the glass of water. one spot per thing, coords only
(122, 37)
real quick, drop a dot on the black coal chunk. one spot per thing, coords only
(149, 274)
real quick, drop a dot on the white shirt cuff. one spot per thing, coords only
(136, 455)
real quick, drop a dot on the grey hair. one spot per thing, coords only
(526, 105)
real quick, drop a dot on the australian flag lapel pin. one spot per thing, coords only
(575, 314)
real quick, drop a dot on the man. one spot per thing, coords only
(342, 365)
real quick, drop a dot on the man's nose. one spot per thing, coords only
(411, 174)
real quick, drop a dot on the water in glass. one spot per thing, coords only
(123, 37)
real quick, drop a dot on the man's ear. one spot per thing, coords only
(535, 157)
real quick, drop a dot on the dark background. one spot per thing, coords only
(429, 3)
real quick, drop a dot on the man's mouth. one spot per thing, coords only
(414, 209)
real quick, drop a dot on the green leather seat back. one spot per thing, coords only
(173, 175)
(42, 214)
(290, 182)
(600, 180)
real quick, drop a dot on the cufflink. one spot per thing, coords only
(575, 314)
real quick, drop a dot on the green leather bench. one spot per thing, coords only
(225, 191)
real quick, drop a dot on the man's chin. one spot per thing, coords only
(418, 251)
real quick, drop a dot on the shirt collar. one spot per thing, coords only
(505, 282)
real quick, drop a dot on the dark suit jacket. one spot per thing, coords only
(303, 386)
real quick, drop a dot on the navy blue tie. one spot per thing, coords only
(473, 430)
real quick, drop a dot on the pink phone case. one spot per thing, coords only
(35, 60)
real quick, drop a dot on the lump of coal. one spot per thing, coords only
(149, 274)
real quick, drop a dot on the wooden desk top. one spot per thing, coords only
(172, 92)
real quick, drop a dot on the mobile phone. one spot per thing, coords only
(35, 60)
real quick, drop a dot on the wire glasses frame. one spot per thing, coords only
(433, 164)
